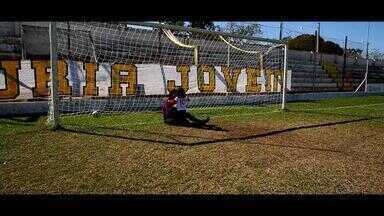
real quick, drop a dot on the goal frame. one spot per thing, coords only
(53, 114)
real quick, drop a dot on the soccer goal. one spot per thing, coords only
(104, 68)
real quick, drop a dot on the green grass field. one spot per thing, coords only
(328, 146)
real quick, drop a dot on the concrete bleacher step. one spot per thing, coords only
(377, 75)
(370, 75)
(305, 67)
(373, 80)
(8, 54)
(311, 89)
(310, 80)
(356, 70)
(376, 72)
(320, 85)
(304, 74)
(358, 76)
(301, 61)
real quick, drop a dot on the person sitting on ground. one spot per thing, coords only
(169, 107)
(182, 115)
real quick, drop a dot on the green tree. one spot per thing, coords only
(176, 23)
(376, 54)
(330, 47)
(243, 28)
(307, 42)
(202, 24)
(354, 53)
(286, 39)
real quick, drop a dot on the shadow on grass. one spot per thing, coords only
(20, 120)
(276, 132)
(15, 123)
(332, 113)
(168, 135)
(23, 118)
(203, 127)
(94, 133)
(304, 101)
(243, 138)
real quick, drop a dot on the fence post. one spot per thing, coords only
(366, 70)
(344, 63)
(284, 76)
(315, 63)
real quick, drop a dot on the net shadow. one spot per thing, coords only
(20, 120)
(276, 132)
(332, 113)
(207, 127)
(102, 131)
(250, 139)
(116, 136)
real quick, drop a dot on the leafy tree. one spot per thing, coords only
(202, 24)
(376, 54)
(176, 23)
(330, 47)
(355, 53)
(286, 39)
(307, 42)
(243, 28)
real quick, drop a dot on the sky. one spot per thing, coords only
(333, 31)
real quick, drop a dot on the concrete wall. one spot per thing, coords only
(8, 30)
(31, 81)
(36, 41)
(23, 108)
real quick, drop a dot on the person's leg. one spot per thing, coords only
(182, 119)
(192, 118)
(165, 117)
(178, 117)
(170, 117)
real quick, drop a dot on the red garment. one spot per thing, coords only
(167, 105)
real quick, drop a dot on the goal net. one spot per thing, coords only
(130, 67)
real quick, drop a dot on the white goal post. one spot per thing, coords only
(53, 112)
(127, 67)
